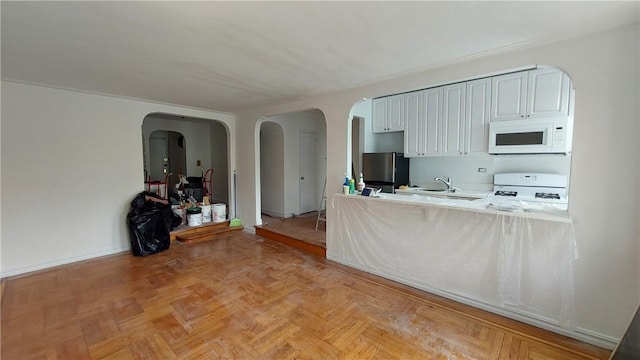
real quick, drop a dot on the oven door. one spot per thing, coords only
(539, 136)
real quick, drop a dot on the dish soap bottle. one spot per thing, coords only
(360, 184)
(352, 186)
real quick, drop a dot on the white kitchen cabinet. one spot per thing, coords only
(388, 114)
(509, 96)
(453, 119)
(478, 109)
(422, 136)
(465, 118)
(530, 94)
(548, 91)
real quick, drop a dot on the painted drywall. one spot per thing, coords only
(272, 169)
(71, 163)
(292, 124)
(606, 155)
(219, 163)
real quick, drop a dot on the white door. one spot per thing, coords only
(308, 172)
(158, 158)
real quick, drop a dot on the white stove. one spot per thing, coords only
(531, 187)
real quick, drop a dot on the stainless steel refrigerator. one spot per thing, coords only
(386, 171)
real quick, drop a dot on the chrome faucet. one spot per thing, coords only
(446, 180)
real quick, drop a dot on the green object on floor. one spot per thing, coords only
(235, 222)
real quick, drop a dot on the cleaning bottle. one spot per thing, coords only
(360, 185)
(352, 186)
(345, 186)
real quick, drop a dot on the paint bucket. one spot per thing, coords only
(219, 212)
(206, 213)
(194, 216)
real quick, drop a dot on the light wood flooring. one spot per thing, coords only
(244, 297)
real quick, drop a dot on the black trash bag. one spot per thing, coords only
(176, 220)
(149, 224)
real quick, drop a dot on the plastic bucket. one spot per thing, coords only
(194, 216)
(206, 213)
(219, 212)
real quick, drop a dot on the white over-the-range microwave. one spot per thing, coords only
(530, 136)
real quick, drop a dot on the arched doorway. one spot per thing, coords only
(206, 147)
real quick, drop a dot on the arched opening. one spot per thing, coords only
(204, 144)
(292, 165)
(272, 169)
(457, 143)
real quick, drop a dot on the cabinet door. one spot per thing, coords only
(433, 121)
(453, 119)
(476, 132)
(379, 115)
(395, 119)
(508, 99)
(415, 121)
(548, 93)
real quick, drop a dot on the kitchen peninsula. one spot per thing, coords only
(515, 263)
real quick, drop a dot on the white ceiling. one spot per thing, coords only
(228, 55)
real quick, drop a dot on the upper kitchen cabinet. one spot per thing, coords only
(465, 119)
(478, 110)
(453, 119)
(530, 94)
(388, 114)
(422, 136)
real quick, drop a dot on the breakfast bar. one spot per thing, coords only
(515, 263)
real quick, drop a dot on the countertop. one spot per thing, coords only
(481, 201)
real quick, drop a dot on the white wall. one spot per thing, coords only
(71, 163)
(606, 155)
(220, 163)
(272, 169)
(292, 124)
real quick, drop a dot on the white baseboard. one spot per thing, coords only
(70, 260)
(582, 334)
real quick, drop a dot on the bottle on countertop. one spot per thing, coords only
(352, 186)
(360, 185)
(345, 186)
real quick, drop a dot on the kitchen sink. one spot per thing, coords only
(431, 190)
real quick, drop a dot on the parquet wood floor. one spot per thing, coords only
(244, 297)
